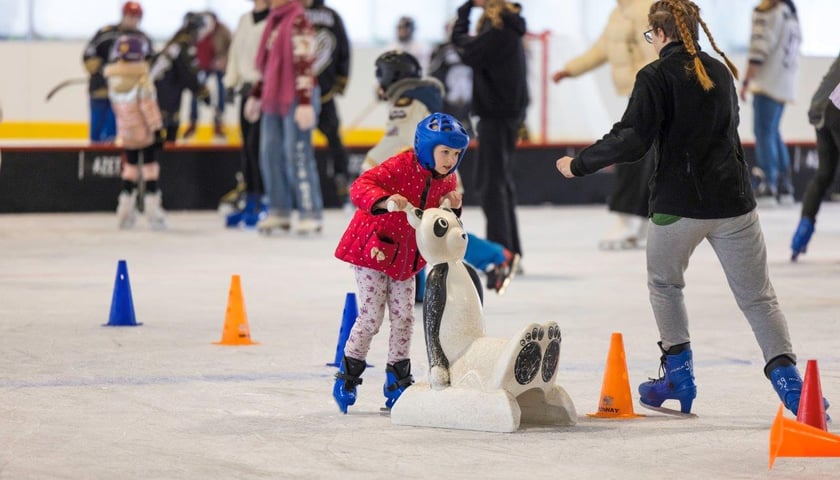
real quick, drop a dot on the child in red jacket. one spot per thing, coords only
(383, 250)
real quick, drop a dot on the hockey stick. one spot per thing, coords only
(362, 115)
(65, 83)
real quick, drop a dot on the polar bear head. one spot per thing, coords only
(440, 234)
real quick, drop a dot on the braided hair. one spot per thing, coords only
(493, 11)
(679, 19)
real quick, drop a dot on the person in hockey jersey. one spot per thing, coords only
(103, 127)
(174, 70)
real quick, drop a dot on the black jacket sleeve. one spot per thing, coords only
(342, 67)
(474, 50)
(631, 138)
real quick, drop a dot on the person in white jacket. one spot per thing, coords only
(771, 77)
(622, 45)
(240, 77)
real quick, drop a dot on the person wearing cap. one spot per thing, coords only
(103, 127)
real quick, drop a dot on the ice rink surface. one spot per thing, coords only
(83, 401)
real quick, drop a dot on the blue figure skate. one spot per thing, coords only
(346, 381)
(676, 383)
(253, 212)
(397, 379)
(788, 384)
(801, 237)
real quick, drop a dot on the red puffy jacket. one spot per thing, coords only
(383, 240)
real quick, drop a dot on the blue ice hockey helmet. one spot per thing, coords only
(439, 129)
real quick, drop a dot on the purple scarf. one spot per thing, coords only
(275, 57)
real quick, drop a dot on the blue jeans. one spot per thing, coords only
(103, 124)
(770, 151)
(287, 163)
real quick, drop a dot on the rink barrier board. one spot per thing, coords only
(194, 177)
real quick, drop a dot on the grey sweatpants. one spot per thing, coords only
(739, 245)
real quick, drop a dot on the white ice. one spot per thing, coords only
(83, 401)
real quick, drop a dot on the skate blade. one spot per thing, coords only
(669, 411)
(385, 411)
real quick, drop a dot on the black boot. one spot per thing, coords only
(397, 379)
(346, 380)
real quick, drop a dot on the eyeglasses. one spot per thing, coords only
(649, 36)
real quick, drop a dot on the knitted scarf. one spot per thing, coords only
(275, 57)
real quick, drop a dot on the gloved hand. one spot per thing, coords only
(230, 95)
(305, 117)
(253, 108)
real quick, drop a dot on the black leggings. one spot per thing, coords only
(828, 151)
(132, 157)
(250, 151)
(328, 124)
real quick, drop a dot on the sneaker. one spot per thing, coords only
(218, 130)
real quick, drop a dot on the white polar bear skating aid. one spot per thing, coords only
(476, 382)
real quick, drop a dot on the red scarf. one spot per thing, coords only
(275, 57)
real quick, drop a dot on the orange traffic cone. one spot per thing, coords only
(236, 330)
(811, 406)
(789, 438)
(616, 401)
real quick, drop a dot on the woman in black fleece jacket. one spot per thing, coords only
(500, 96)
(685, 106)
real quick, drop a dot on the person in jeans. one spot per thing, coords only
(685, 105)
(771, 77)
(287, 96)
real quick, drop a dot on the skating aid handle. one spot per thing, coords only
(392, 207)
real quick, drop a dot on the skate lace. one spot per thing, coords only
(661, 371)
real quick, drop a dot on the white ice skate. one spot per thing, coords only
(272, 223)
(154, 211)
(629, 232)
(127, 210)
(308, 226)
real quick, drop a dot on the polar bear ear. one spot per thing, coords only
(415, 217)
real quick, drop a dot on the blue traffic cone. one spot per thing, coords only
(348, 319)
(122, 307)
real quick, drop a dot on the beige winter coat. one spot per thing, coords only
(622, 44)
(134, 100)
